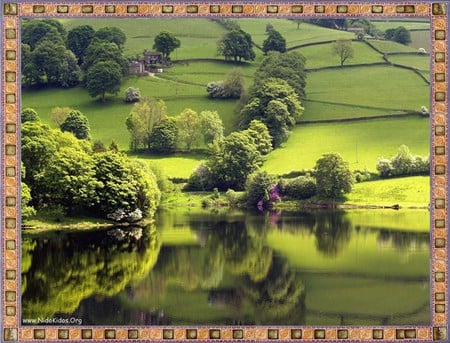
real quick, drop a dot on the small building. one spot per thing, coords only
(153, 57)
(136, 67)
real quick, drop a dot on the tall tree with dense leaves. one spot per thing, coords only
(237, 45)
(112, 35)
(29, 114)
(102, 78)
(164, 136)
(78, 40)
(333, 176)
(99, 51)
(166, 42)
(274, 42)
(289, 66)
(34, 31)
(343, 48)
(188, 127)
(76, 123)
(211, 126)
(277, 105)
(144, 116)
(234, 158)
(260, 136)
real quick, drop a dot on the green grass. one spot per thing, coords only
(307, 33)
(407, 24)
(318, 56)
(377, 86)
(359, 143)
(420, 39)
(410, 191)
(388, 46)
(420, 62)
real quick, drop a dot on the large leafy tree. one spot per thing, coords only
(166, 42)
(144, 116)
(164, 136)
(78, 40)
(102, 78)
(260, 136)
(274, 42)
(35, 31)
(29, 114)
(100, 51)
(189, 126)
(343, 48)
(237, 45)
(77, 123)
(211, 126)
(289, 66)
(333, 176)
(112, 35)
(277, 105)
(233, 159)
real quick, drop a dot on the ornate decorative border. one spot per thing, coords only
(11, 12)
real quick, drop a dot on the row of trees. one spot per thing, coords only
(63, 172)
(151, 128)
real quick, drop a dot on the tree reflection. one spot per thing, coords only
(333, 231)
(403, 240)
(64, 270)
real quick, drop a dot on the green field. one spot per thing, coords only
(318, 56)
(360, 143)
(388, 46)
(420, 62)
(414, 24)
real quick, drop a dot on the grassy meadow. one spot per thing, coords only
(330, 94)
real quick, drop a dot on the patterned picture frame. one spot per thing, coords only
(11, 13)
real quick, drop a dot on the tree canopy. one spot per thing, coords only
(111, 35)
(236, 44)
(274, 42)
(166, 42)
(343, 48)
(102, 78)
(78, 40)
(77, 123)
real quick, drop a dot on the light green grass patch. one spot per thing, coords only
(318, 56)
(420, 62)
(376, 86)
(409, 191)
(360, 143)
(388, 46)
(420, 39)
(407, 24)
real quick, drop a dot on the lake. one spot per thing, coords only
(226, 267)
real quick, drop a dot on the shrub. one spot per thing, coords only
(200, 180)
(384, 167)
(132, 94)
(258, 188)
(216, 90)
(403, 164)
(302, 187)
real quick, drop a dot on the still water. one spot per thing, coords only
(234, 268)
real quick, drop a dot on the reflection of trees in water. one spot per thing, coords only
(403, 240)
(66, 269)
(333, 231)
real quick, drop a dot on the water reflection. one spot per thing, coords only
(244, 269)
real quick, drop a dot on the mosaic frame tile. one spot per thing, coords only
(11, 12)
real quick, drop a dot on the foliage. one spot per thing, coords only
(274, 42)
(260, 136)
(166, 42)
(189, 125)
(102, 78)
(233, 159)
(237, 45)
(211, 126)
(59, 114)
(333, 176)
(98, 146)
(132, 94)
(76, 123)
(400, 35)
(101, 51)
(201, 179)
(289, 66)
(216, 90)
(78, 40)
(164, 136)
(111, 35)
(301, 187)
(344, 49)
(28, 114)
(276, 104)
(37, 31)
(143, 118)
(403, 164)
(258, 187)
(26, 210)
(231, 88)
